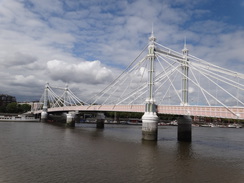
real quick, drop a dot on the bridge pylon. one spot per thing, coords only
(150, 118)
(185, 70)
(44, 113)
(184, 131)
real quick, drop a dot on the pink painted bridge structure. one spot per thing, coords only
(162, 81)
(203, 111)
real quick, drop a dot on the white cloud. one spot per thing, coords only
(51, 40)
(24, 80)
(18, 59)
(84, 72)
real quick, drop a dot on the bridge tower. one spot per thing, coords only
(44, 108)
(150, 118)
(65, 94)
(185, 69)
(185, 121)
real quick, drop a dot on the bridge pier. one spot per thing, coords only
(150, 126)
(70, 119)
(184, 128)
(100, 120)
(44, 116)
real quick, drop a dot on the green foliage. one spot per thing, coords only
(25, 107)
(3, 109)
(12, 108)
(15, 108)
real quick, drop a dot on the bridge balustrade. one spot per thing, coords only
(204, 111)
(219, 112)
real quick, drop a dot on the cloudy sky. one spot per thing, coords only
(86, 43)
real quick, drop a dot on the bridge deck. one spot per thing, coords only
(204, 111)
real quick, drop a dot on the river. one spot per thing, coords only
(41, 152)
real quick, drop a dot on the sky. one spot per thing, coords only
(86, 43)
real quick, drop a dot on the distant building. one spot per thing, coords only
(6, 99)
(34, 105)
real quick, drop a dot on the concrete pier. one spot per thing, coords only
(77, 117)
(150, 126)
(100, 120)
(44, 116)
(184, 128)
(70, 119)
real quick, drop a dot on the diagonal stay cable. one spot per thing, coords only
(167, 75)
(209, 94)
(216, 68)
(118, 76)
(206, 75)
(220, 78)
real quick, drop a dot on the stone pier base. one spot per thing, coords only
(184, 128)
(44, 116)
(150, 126)
(70, 119)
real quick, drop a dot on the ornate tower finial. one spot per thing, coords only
(185, 51)
(152, 38)
(185, 43)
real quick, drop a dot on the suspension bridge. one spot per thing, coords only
(160, 81)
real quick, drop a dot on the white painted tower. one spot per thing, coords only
(185, 121)
(44, 108)
(185, 70)
(150, 118)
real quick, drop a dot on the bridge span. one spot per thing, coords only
(163, 81)
(203, 111)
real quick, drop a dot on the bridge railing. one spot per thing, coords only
(204, 111)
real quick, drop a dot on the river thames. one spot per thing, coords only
(41, 152)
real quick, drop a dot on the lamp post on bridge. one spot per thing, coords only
(150, 118)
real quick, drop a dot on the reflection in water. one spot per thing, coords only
(146, 157)
(97, 133)
(149, 143)
(184, 150)
(184, 162)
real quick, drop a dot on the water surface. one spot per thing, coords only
(40, 152)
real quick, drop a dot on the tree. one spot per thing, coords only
(12, 107)
(3, 108)
(17, 108)
(24, 108)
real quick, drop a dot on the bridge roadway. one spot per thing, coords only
(204, 111)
